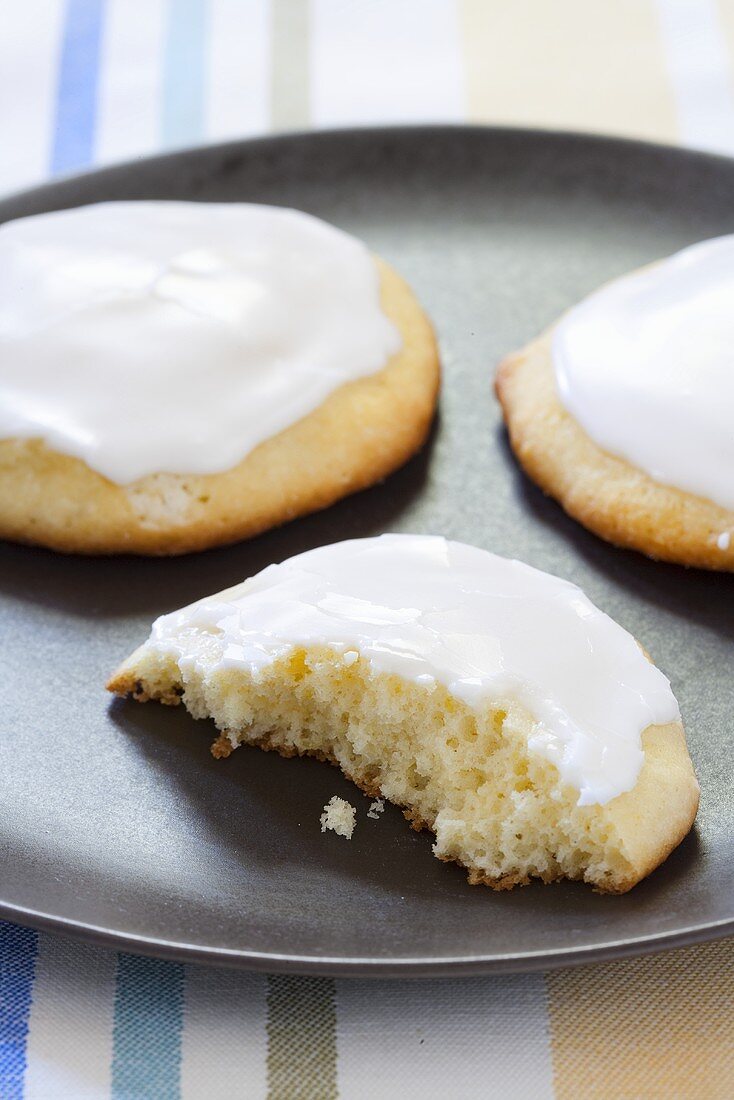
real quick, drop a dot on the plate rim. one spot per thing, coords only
(284, 137)
(342, 966)
(370, 967)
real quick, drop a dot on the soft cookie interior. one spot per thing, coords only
(466, 773)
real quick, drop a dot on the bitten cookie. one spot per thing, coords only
(623, 410)
(493, 702)
(182, 375)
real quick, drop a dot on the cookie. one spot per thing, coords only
(261, 365)
(622, 411)
(492, 702)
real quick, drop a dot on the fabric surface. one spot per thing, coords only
(87, 82)
(81, 1023)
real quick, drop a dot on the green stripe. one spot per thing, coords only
(301, 1038)
(289, 80)
(146, 1035)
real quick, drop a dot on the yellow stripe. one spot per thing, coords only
(568, 64)
(659, 1027)
(726, 19)
(289, 79)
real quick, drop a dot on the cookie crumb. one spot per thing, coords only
(376, 808)
(339, 816)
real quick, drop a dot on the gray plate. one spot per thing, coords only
(116, 822)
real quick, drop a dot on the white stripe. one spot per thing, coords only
(31, 34)
(703, 82)
(70, 1028)
(224, 1044)
(130, 79)
(380, 61)
(238, 94)
(475, 1037)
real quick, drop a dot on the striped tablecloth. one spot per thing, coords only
(86, 82)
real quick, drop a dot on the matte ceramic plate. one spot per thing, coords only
(118, 825)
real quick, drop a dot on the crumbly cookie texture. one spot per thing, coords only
(364, 431)
(606, 494)
(339, 816)
(466, 773)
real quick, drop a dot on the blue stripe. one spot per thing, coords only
(76, 99)
(184, 73)
(18, 949)
(146, 1034)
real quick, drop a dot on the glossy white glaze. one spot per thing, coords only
(646, 366)
(432, 610)
(173, 337)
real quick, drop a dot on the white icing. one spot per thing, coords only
(646, 366)
(432, 610)
(173, 337)
(724, 540)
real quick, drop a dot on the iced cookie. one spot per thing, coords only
(178, 375)
(623, 411)
(493, 702)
